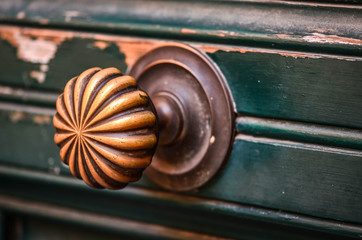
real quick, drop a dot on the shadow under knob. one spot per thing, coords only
(106, 128)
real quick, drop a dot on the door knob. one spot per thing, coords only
(108, 128)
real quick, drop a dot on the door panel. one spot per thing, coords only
(294, 72)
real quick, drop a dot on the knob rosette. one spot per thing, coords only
(106, 128)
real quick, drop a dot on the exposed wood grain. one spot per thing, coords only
(300, 86)
(253, 23)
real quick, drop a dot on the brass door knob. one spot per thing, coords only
(108, 128)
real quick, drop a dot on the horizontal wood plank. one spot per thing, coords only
(144, 207)
(312, 26)
(300, 132)
(300, 86)
(305, 88)
(304, 178)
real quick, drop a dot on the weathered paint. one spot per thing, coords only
(251, 23)
(38, 75)
(101, 44)
(32, 48)
(133, 48)
(331, 39)
(42, 119)
(247, 70)
(284, 84)
(16, 116)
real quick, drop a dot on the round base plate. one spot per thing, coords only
(191, 81)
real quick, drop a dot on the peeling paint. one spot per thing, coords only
(72, 14)
(218, 33)
(43, 21)
(213, 49)
(283, 36)
(331, 39)
(35, 51)
(188, 31)
(4, 90)
(101, 44)
(44, 68)
(42, 119)
(31, 47)
(296, 55)
(38, 76)
(17, 116)
(20, 15)
(134, 50)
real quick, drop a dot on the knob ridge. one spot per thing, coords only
(106, 128)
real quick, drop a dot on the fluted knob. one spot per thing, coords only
(106, 128)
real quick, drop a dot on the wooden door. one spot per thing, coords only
(294, 70)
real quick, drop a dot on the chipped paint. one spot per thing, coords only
(72, 14)
(188, 31)
(283, 36)
(44, 68)
(133, 50)
(219, 33)
(32, 48)
(17, 116)
(101, 45)
(35, 50)
(43, 21)
(331, 39)
(42, 119)
(296, 55)
(20, 15)
(38, 76)
(213, 49)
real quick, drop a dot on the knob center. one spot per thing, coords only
(170, 117)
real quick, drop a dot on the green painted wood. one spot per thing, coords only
(303, 178)
(316, 89)
(282, 166)
(35, 229)
(301, 132)
(54, 196)
(306, 87)
(71, 58)
(295, 177)
(28, 96)
(276, 24)
(26, 139)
